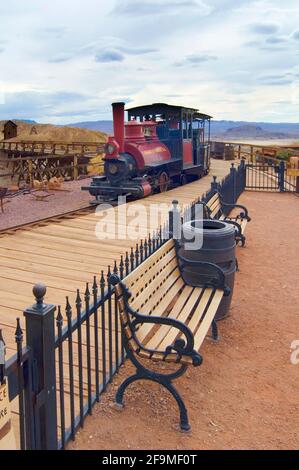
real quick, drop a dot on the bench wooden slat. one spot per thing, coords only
(243, 224)
(149, 307)
(213, 198)
(206, 322)
(160, 309)
(200, 310)
(215, 204)
(165, 266)
(184, 314)
(164, 329)
(150, 262)
(143, 299)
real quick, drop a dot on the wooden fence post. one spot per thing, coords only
(76, 169)
(40, 336)
(30, 169)
(239, 152)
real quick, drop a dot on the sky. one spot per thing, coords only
(66, 61)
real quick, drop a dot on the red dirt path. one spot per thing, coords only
(245, 395)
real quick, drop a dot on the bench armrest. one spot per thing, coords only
(180, 346)
(242, 215)
(215, 276)
(183, 347)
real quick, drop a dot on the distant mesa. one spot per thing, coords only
(249, 131)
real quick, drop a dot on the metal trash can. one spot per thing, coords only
(219, 247)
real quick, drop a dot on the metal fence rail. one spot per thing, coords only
(270, 177)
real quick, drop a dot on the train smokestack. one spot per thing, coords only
(119, 124)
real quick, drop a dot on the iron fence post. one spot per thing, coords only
(281, 176)
(233, 179)
(174, 221)
(214, 184)
(40, 336)
(243, 169)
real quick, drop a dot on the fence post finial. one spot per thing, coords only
(40, 338)
(39, 292)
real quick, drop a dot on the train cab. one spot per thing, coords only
(185, 131)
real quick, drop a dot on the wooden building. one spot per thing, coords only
(10, 130)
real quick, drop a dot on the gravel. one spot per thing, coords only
(24, 208)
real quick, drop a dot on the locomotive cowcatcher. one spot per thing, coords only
(160, 146)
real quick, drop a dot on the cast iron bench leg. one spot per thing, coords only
(215, 334)
(184, 422)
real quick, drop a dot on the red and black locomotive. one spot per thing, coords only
(160, 146)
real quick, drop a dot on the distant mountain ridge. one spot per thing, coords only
(220, 128)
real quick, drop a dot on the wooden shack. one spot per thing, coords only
(10, 130)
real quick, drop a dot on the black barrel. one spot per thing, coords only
(219, 247)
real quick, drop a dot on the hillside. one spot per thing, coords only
(250, 131)
(267, 130)
(103, 126)
(31, 131)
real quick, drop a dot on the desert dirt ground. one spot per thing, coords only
(245, 395)
(24, 209)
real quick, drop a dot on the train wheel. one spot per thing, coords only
(163, 182)
(183, 180)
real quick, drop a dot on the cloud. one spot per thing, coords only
(109, 55)
(58, 31)
(276, 40)
(158, 7)
(196, 59)
(200, 58)
(276, 80)
(252, 44)
(136, 50)
(295, 35)
(264, 28)
(59, 60)
(35, 104)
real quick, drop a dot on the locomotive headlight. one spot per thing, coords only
(110, 149)
(113, 169)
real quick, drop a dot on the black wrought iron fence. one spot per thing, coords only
(71, 355)
(271, 177)
(231, 186)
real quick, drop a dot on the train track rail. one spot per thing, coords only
(69, 214)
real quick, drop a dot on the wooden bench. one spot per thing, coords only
(215, 210)
(175, 318)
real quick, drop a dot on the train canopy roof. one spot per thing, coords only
(163, 108)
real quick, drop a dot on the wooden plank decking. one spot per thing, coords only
(65, 254)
